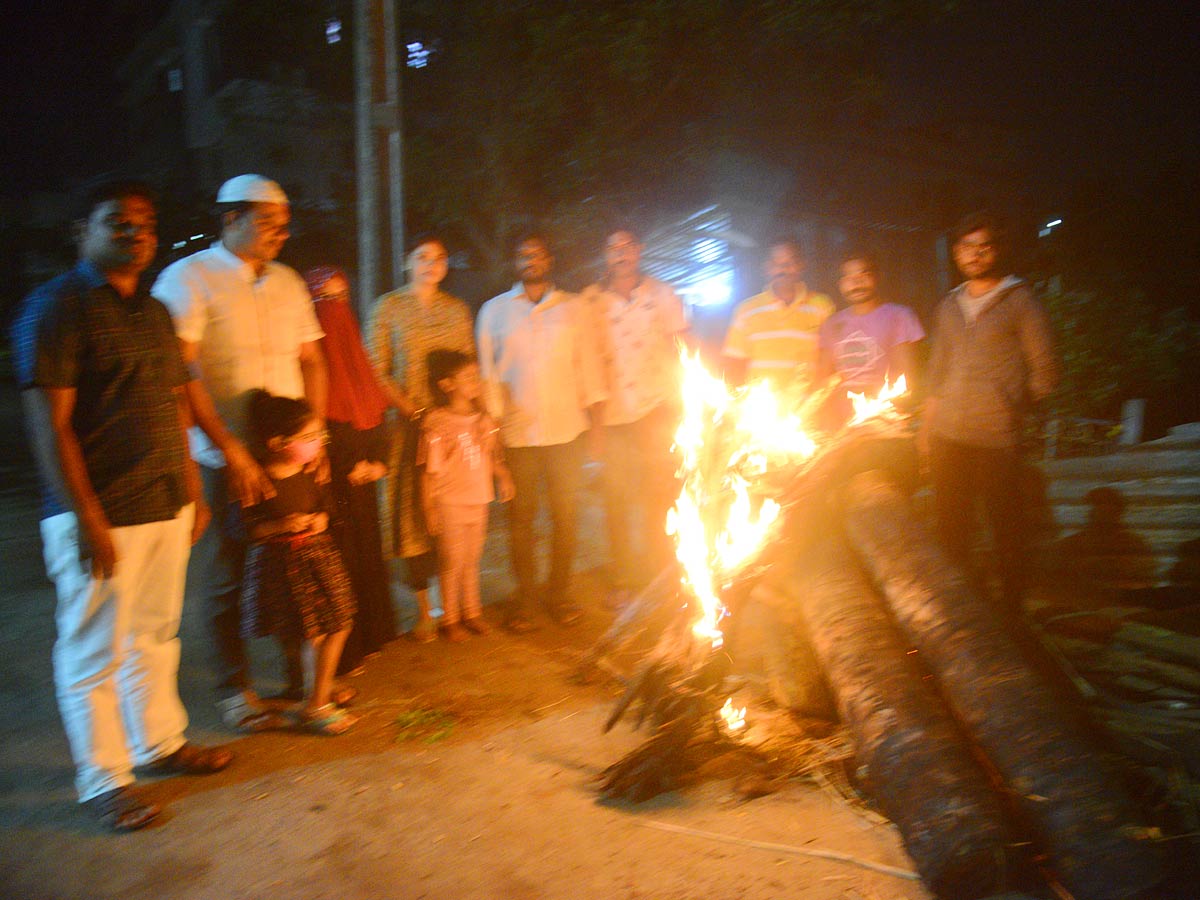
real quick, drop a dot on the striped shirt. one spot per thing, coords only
(777, 338)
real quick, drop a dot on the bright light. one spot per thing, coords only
(707, 250)
(418, 55)
(1045, 230)
(716, 290)
(333, 31)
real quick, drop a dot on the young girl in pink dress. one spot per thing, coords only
(460, 452)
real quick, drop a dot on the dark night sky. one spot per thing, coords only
(1105, 91)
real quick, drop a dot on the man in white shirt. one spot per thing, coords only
(243, 322)
(638, 320)
(539, 362)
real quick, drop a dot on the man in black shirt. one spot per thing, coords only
(103, 388)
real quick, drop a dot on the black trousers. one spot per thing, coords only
(964, 478)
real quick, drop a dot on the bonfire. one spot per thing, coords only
(965, 748)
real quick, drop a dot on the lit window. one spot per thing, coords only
(174, 80)
(333, 31)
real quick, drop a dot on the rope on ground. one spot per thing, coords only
(784, 848)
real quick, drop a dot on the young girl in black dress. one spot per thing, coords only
(296, 586)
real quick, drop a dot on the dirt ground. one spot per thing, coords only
(469, 776)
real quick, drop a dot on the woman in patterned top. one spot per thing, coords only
(405, 326)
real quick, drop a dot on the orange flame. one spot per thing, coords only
(730, 442)
(734, 719)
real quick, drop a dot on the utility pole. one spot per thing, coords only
(395, 112)
(366, 159)
(375, 35)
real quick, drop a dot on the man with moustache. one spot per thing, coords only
(542, 383)
(243, 321)
(638, 320)
(992, 360)
(773, 335)
(870, 340)
(103, 387)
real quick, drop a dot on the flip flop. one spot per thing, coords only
(328, 720)
(192, 759)
(121, 810)
(343, 694)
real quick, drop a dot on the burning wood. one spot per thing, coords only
(754, 496)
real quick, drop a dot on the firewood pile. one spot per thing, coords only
(1138, 669)
(964, 734)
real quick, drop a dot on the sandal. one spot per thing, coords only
(248, 716)
(191, 759)
(477, 625)
(121, 810)
(424, 632)
(343, 694)
(328, 720)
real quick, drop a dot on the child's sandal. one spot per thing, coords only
(329, 720)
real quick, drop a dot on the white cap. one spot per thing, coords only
(251, 189)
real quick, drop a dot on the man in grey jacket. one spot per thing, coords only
(993, 358)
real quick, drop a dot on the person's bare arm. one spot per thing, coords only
(904, 362)
(315, 376)
(96, 531)
(248, 484)
(191, 472)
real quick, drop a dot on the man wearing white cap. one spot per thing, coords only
(244, 321)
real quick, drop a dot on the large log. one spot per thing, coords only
(1069, 792)
(916, 763)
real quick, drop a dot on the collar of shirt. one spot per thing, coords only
(973, 306)
(239, 265)
(552, 297)
(604, 285)
(800, 299)
(89, 275)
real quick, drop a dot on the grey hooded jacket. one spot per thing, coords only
(986, 374)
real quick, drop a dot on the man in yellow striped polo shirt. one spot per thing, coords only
(773, 335)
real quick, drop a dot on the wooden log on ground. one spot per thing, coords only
(1116, 659)
(1069, 792)
(917, 764)
(1163, 643)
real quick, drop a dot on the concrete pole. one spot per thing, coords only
(392, 72)
(366, 160)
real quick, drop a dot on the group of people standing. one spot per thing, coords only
(294, 421)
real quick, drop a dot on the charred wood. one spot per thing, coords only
(916, 763)
(1069, 792)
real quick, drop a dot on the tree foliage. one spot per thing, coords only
(1117, 346)
(574, 114)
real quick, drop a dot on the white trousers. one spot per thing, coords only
(116, 659)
